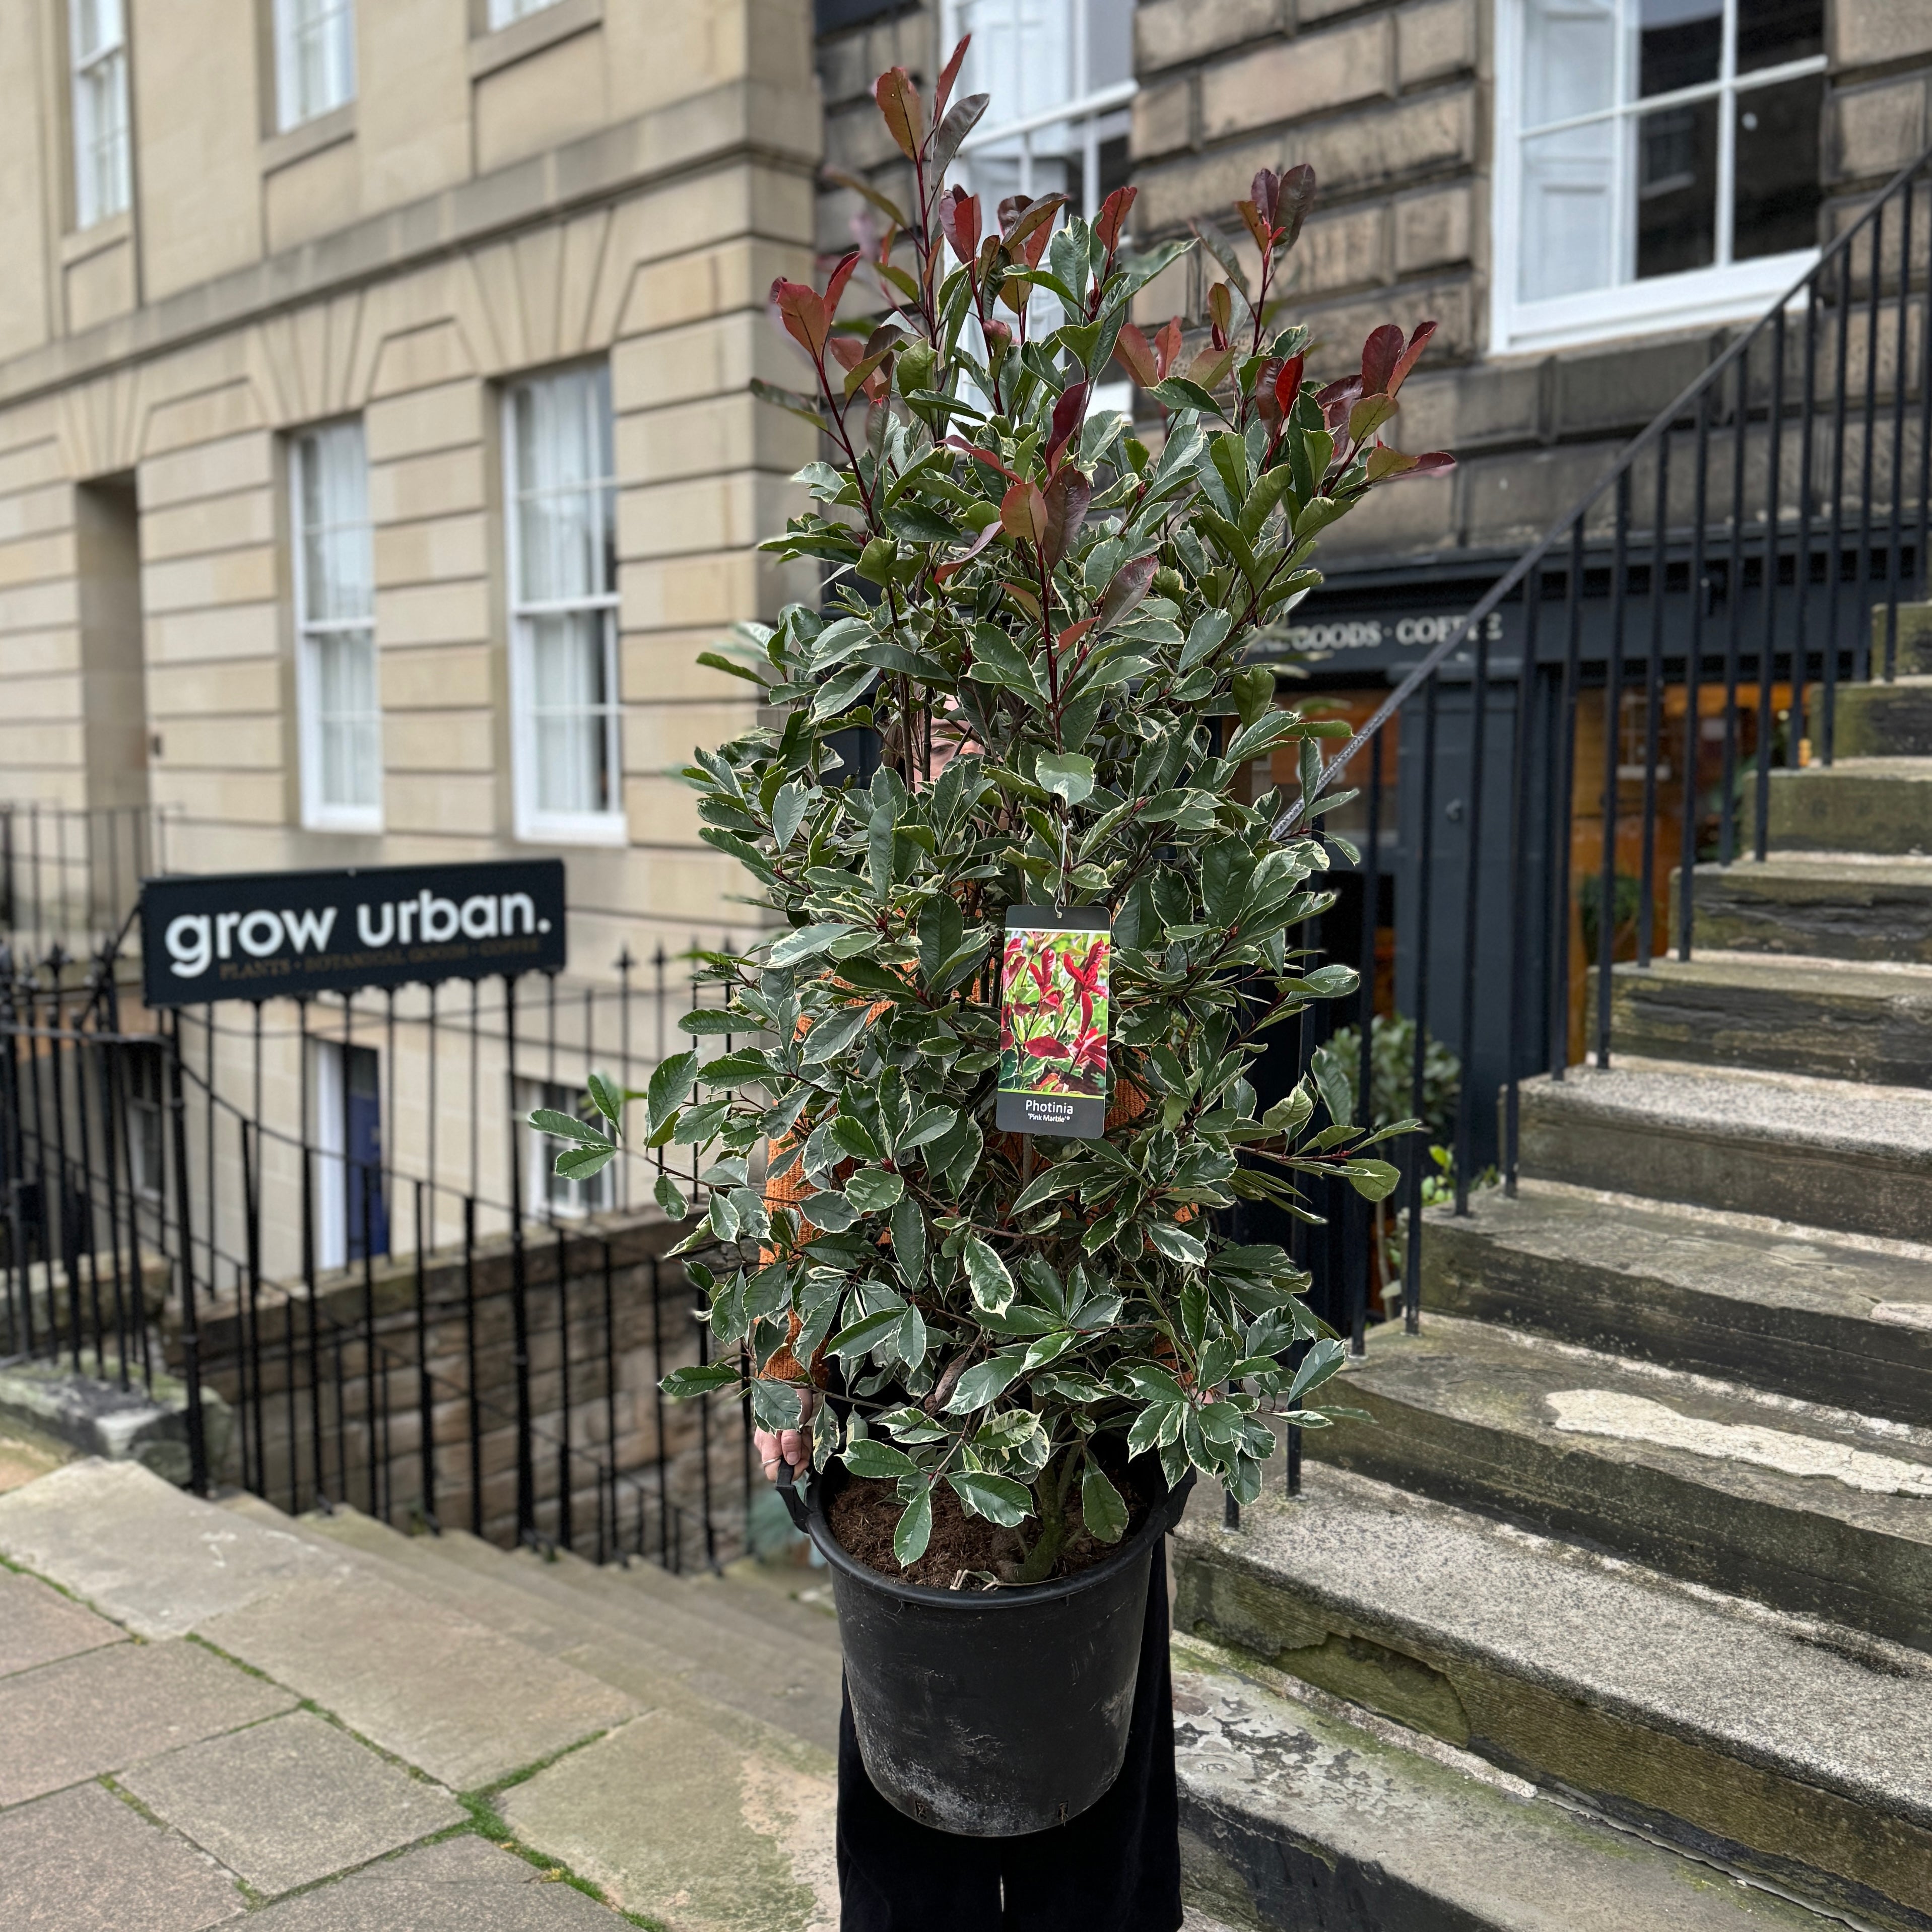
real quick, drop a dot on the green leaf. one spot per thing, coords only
(1066, 773)
(669, 1198)
(862, 1336)
(984, 1382)
(831, 1034)
(852, 1136)
(568, 1127)
(1373, 1179)
(1101, 1504)
(788, 810)
(682, 1384)
(873, 1189)
(908, 1226)
(776, 1405)
(869, 1456)
(805, 942)
(992, 1286)
(671, 1082)
(580, 1163)
(915, 1529)
(998, 1499)
(607, 1097)
(1323, 1359)
(931, 1125)
(1176, 1245)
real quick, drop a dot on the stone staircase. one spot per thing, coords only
(1621, 1614)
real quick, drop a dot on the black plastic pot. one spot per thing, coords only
(996, 1713)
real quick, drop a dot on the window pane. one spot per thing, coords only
(1568, 224)
(318, 57)
(1569, 60)
(101, 140)
(564, 535)
(347, 721)
(1778, 192)
(502, 12)
(1772, 31)
(338, 566)
(1680, 43)
(97, 25)
(1677, 189)
(570, 701)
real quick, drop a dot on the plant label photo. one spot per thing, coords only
(1053, 1022)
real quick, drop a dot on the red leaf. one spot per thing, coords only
(1066, 498)
(1418, 342)
(1023, 513)
(985, 456)
(1257, 225)
(1288, 384)
(948, 74)
(1265, 193)
(1073, 633)
(1067, 413)
(1436, 463)
(1045, 1048)
(1113, 217)
(1297, 198)
(1220, 309)
(1131, 350)
(802, 312)
(1268, 404)
(1337, 400)
(1378, 359)
(1027, 217)
(1131, 582)
(898, 102)
(959, 221)
(960, 562)
(834, 289)
(1167, 347)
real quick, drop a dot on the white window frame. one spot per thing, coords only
(318, 813)
(534, 823)
(91, 204)
(335, 22)
(507, 13)
(1084, 113)
(1728, 291)
(546, 1196)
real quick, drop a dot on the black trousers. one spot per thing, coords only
(1115, 1868)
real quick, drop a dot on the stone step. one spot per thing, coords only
(1915, 640)
(1816, 1511)
(1837, 1018)
(780, 1682)
(1855, 805)
(1823, 1152)
(1790, 1310)
(1796, 1751)
(1839, 905)
(1876, 720)
(1299, 1812)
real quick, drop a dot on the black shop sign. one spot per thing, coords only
(285, 935)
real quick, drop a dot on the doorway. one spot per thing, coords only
(352, 1207)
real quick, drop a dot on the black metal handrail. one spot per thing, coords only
(1754, 542)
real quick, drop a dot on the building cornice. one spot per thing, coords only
(742, 122)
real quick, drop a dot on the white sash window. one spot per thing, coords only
(98, 31)
(315, 58)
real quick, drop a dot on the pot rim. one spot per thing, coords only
(1161, 1519)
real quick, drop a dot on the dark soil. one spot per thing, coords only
(864, 1511)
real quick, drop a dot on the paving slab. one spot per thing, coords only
(37, 1624)
(25, 1455)
(140, 1550)
(462, 1884)
(684, 1822)
(1294, 1818)
(456, 1700)
(84, 1862)
(290, 1801)
(114, 1706)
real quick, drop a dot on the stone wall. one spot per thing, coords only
(651, 1330)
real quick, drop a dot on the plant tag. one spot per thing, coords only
(1053, 1022)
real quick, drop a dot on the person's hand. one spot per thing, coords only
(790, 1445)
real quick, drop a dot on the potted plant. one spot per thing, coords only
(1047, 620)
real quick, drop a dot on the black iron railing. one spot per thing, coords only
(69, 875)
(1614, 707)
(341, 1305)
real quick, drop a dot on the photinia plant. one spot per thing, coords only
(1048, 619)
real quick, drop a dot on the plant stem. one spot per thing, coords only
(1053, 1487)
